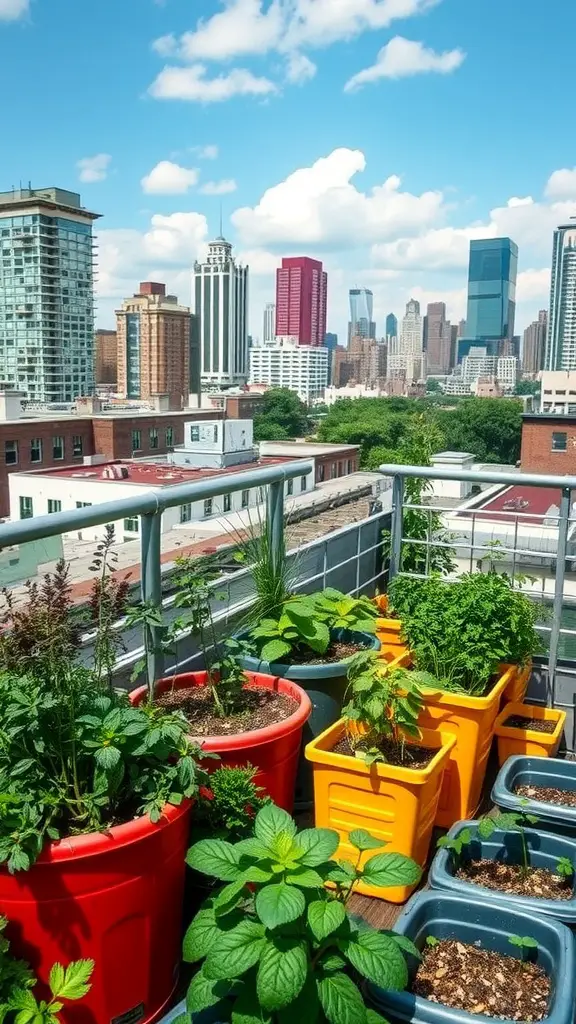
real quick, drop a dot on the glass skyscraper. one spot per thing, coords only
(46, 294)
(391, 326)
(492, 290)
(561, 341)
(361, 312)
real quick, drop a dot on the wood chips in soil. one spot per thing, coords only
(548, 795)
(408, 756)
(261, 708)
(534, 724)
(538, 883)
(482, 981)
(337, 651)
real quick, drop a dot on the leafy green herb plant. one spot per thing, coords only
(525, 943)
(277, 946)
(458, 844)
(565, 867)
(228, 804)
(432, 941)
(341, 611)
(512, 821)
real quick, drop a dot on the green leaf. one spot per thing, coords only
(378, 958)
(228, 897)
(324, 917)
(270, 822)
(362, 840)
(76, 981)
(107, 758)
(341, 1000)
(274, 650)
(332, 961)
(236, 951)
(374, 1018)
(204, 992)
(281, 973)
(319, 845)
(279, 904)
(308, 878)
(201, 936)
(247, 1009)
(252, 848)
(215, 857)
(403, 943)
(388, 869)
(486, 828)
(56, 980)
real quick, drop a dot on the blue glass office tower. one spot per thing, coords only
(492, 290)
(391, 326)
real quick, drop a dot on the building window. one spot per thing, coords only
(169, 437)
(36, 449)
(559, 441)
(11, 452)
(208, 506)
(333, 471)
(26, 508)
(194, 433)
(57, 448)
(321, 472)
(215, 433)
(290, 486)
(131, 525)
(245, 499)
(77, 445)
(153, 437)
(54, 505)
(136, 441)
(349, 465)
(302, 483)
(83, 504)
(227, 502)
(186, 513)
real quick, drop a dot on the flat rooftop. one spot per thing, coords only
(148, 474)
(528, 505)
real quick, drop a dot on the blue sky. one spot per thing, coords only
(377, 135)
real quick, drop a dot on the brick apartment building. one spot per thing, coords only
(548, 443)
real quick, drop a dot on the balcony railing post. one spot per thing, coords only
(151, 590)
(563, 528)
(275, 514)
(396, 532)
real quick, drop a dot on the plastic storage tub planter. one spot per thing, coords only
(513, 739)
(477, 921)
(544, 848)
(471, 720)
(395, 804)
(274, 750)
(516, 689)
(536, 771)
(116, 897)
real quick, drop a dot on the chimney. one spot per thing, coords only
(152, 288)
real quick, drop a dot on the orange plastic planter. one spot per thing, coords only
(471, 720)
(516, 689)
(514, 740)
(388, 630)
(396, 805)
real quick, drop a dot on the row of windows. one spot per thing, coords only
(153, 438)
(12, 449)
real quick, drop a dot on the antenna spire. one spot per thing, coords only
(221, 233)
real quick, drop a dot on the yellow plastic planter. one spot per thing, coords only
(388, 630)
(513, 740)
(396, 805)
(471, 720)
(516, 689)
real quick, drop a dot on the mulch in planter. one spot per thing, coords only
(482, 981)
(538, 882)
(408, 756)
(260, 708)
(338, 650)
(534, 724)
(548, 795)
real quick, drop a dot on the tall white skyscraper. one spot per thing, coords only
(269, 326)
(361, 324)
(221, 302)
(407, 356)
(561, 342)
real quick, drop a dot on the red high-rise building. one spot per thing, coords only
(301, 287)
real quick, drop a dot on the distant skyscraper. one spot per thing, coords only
(105, 357)
(331, 343)
(438, 339)
(461, 329)
(301, 290)
(154, 339)
(391, 326)
(361, 324)
(221, 302)
(409, 356)
(269, 327)
(534, 344)
(492, 289)
(561, 343)
(46, 294)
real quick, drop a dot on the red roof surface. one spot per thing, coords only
(539, 500)
(155, 474)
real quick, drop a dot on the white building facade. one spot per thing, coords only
(220, 291)
(407, 357)
(558, 392)
(301, 368)
(561, 342)
(269, 324)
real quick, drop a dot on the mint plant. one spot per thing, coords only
(565, 867)
(511, 821)
(295, 630)
(525, 943)
(341, 611)
(458, 844)
(277, 946)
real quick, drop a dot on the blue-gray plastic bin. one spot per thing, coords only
(538, 771)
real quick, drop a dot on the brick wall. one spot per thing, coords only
(23, 433)
(548, 445)
(330, 467)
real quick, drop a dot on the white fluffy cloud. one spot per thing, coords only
(207, 152)
(218, 188)
(299, 68)
(562, 184)
(401, 58)
(169, 179)
(11, 10)
(320, 206)
(191, 83)
(93, 168)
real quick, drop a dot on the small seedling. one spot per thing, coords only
(565, 867)
(432, 941)
(525, 943)
(511, 822)
(456, 845)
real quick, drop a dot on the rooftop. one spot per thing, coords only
(148, 474)
(527, 504)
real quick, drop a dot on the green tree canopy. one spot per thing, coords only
(283, 416)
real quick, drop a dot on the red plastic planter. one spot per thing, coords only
(274, 750)
(115, 897)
